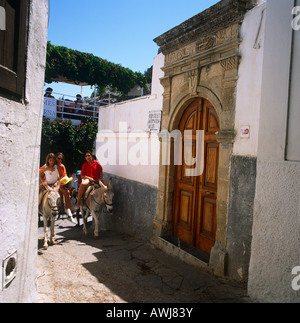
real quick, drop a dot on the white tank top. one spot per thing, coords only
(52, 177)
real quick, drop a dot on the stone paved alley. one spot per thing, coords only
(121, 269)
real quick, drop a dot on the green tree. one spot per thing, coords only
(78, 67)
(148, 74)
(62, 136)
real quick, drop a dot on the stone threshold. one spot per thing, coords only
(181, 250)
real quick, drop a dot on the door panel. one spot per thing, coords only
(212, 121)
(186, 217)
(195, 198)
(207, 226)
(185, 213)
(211, 165)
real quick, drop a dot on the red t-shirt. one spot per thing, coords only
(92, 170)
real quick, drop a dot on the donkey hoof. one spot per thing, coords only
(45, 247)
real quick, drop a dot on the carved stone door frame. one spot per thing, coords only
(201, 61)
(163, 223)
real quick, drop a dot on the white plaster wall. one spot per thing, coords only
(20, 133)
(126, 122)
(276, 222)
(250, 81)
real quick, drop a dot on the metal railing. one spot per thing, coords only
(65, 108)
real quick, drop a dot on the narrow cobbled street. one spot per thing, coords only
(121, 269)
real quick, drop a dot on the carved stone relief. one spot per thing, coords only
(230, 63)
(206, 43)
(180, 54)
(194, 77)
(227, 34)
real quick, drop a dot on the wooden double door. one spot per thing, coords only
(195, 195)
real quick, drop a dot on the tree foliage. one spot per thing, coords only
(62, 136)
(86, 68)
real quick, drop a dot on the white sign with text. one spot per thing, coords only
(154, 122)
(50, 108)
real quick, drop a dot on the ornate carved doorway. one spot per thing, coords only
(195, 197)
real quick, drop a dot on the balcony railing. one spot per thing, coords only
(71, 109)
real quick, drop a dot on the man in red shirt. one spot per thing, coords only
(91, 171)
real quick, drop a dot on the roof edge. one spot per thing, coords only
(209, 21)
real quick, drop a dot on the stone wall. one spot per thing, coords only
(134, 208)
(240, 219)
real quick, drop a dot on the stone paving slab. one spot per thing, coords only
(119, 269)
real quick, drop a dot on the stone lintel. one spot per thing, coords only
(208, 22)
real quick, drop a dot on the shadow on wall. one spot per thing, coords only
(135, 207)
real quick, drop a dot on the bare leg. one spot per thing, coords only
(81, 191)
(67, 196)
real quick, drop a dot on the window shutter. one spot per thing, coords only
(13, 42)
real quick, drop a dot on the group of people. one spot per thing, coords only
(72, 107)
(54, 172)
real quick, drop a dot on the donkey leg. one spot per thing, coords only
(84, 215)
(96, 223)
(45, 234)
(52, 230)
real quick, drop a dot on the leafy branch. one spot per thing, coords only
(62, 136)
(79, 67)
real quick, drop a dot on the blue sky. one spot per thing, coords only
(120, 31)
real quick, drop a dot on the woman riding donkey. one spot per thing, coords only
(51, 173)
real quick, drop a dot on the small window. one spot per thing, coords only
(13, 43)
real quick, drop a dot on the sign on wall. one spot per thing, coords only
(50, 108)
(154, 122)
(245, 132)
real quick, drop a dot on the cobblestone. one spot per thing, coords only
(119, 269)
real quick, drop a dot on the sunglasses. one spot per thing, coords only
(60, 158)
(88, 156)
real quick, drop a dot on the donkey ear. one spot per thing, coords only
(110, 185)
(47, 187)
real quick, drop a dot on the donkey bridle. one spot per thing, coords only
(103, 198)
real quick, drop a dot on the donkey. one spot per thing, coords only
(95, 198)
(49, 208)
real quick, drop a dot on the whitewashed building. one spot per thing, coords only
(247, 69)
(22, 70)
(274, 273)
(129, 152)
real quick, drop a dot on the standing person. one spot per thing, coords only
(63, 182)
(48, 93)
(78, 104)
(91, 171)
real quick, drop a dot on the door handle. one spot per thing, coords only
(210, 193)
